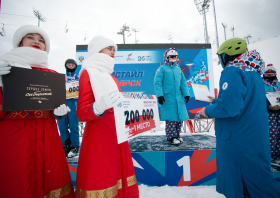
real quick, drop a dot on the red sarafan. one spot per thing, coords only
(105, 168)
(34, 157)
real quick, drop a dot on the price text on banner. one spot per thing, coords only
(72, 89)
(135, 116)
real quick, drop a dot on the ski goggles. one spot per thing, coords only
(173, 56)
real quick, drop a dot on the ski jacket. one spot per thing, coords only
(241, 126)
(71, 76)
(171, 83)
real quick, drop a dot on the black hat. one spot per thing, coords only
(70, 61)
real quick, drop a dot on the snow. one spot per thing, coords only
(179, 192)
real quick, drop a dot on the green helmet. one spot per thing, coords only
(233, 46)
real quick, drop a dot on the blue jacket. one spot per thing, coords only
(241, 126)
(271, 89)
(171, 83)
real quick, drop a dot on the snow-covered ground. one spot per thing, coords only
(179, 192)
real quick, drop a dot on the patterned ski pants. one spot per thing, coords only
(274, 133)
(172, 129)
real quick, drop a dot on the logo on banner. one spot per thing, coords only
(145, 58)
(129, 57)
(81, 58)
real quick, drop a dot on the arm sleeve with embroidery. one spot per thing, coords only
(158, 82)
(86, 99)
(184, 86)
(232, 91)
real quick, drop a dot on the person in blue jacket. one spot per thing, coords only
(71, 121)
(241, 125)
(271, 84)
(172, 92)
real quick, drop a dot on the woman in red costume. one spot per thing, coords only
(33, 163)
(105, 168)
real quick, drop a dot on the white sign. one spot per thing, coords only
(135, 116)
(72, 89)
(273, 97)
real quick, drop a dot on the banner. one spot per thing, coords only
(135, 116)
(136, 65)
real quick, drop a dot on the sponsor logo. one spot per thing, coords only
(145, 58)
(129, 57)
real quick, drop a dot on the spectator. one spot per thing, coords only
(271, 84)
(71, 120)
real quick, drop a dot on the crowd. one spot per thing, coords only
(34, 164)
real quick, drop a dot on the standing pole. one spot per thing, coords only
(205, 22)
(225, 26)
(217, 38)
(123, 37)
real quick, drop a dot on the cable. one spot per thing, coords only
(46, 18)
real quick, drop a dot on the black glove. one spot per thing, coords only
(187, 98)
(161, 100)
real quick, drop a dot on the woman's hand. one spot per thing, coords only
(5, 68)
(62, 110)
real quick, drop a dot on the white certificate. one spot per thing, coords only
(201, 92)
(273, 97)
(135, 116)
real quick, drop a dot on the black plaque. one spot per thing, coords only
(28, 89)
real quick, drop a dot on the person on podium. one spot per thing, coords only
(172, 92)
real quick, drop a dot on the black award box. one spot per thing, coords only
(28, 89)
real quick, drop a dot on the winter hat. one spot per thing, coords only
(98, 43)
(27, 29)
(270, 69)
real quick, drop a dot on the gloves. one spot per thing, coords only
(161, 100)
(110, 99)
(276, 107)
(61, 110)
(187, 98)
(5, 68)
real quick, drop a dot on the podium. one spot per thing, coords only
(157, 163)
